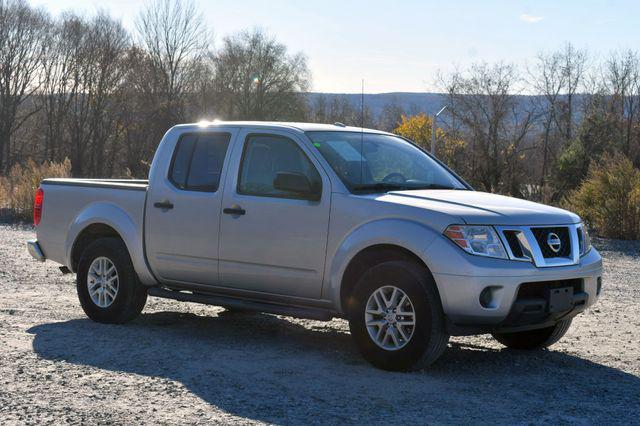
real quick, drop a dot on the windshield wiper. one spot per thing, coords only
(435, 186)
(379, 187)
(385, 187)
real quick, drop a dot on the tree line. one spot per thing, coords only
(86, 89)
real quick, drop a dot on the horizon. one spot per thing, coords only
(405, 57)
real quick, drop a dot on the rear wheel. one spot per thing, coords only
(108, 287)
(396, 317)
(534, 339)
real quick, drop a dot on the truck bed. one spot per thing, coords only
(131, 184)
(69, 205)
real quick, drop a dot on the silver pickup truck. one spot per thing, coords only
(321, 221)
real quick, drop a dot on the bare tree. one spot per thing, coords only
(574, 69)
(548, 79)
(98, 51)
(391, 115)
(343, 111)
(22, 34)
(522, 118)
(622, 81)
(175, 37)
(109, 42)
(140, 118)
(54, 100)
(482, 100)
(256, 78)
(318, 109)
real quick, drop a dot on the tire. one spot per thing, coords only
(534, 339)
(130, 296)
(428, 338)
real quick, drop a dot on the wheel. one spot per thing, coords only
(534, 339)
(396, 318)
(108, 287)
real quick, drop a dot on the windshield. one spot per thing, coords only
(372, 162)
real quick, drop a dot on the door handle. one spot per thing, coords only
(234, 210)
(163, 205)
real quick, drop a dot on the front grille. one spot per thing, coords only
(514, 244)
(580, 242)
(542, 235)
(534, 244)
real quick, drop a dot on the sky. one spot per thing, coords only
(399, 46)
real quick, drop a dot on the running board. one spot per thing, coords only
(249, 305)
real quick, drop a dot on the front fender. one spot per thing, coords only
(413, 236)
(110, 214)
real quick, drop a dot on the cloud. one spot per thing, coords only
(531, 19)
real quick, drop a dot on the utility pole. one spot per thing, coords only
(433, 129)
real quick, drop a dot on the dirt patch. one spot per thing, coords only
(188, 363)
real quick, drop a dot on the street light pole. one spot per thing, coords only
(433, 130)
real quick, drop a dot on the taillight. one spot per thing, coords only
(37, 206)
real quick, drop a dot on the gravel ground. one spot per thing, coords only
(189, 363)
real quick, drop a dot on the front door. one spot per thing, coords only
(273, 240)
(183, 209)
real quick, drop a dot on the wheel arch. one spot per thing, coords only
(373, 243)
(367, 258)
(88, 235)
(100, 220)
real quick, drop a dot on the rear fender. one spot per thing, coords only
(110, 214)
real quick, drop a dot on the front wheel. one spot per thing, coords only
(534, 339)
(107, 284)
(396, 318)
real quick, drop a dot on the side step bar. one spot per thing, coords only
(249, 305)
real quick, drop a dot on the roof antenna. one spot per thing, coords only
(362, 107)
(362, 134)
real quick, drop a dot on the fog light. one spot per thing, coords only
(489, 297)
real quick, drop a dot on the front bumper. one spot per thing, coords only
(35, 251)
(520, 293)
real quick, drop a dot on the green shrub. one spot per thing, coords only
(609, 198)
(18, 188)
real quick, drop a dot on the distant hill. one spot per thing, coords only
(430, 103)
(410, 102)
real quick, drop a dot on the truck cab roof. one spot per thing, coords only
(303, 127)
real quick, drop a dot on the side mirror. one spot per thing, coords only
(296, 183)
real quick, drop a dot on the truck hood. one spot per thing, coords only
(482, 208)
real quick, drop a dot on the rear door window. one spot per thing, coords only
(181, 160)
(198, 160)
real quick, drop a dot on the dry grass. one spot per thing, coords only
(17, 189)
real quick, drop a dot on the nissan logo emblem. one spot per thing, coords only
(553, 241)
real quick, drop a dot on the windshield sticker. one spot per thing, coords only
(345, 150)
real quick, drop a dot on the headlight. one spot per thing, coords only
(584, 239)
(478, 240)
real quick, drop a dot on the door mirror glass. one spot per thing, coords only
(296, 183)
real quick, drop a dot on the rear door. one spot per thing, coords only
(272, 241)
(183, 208)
